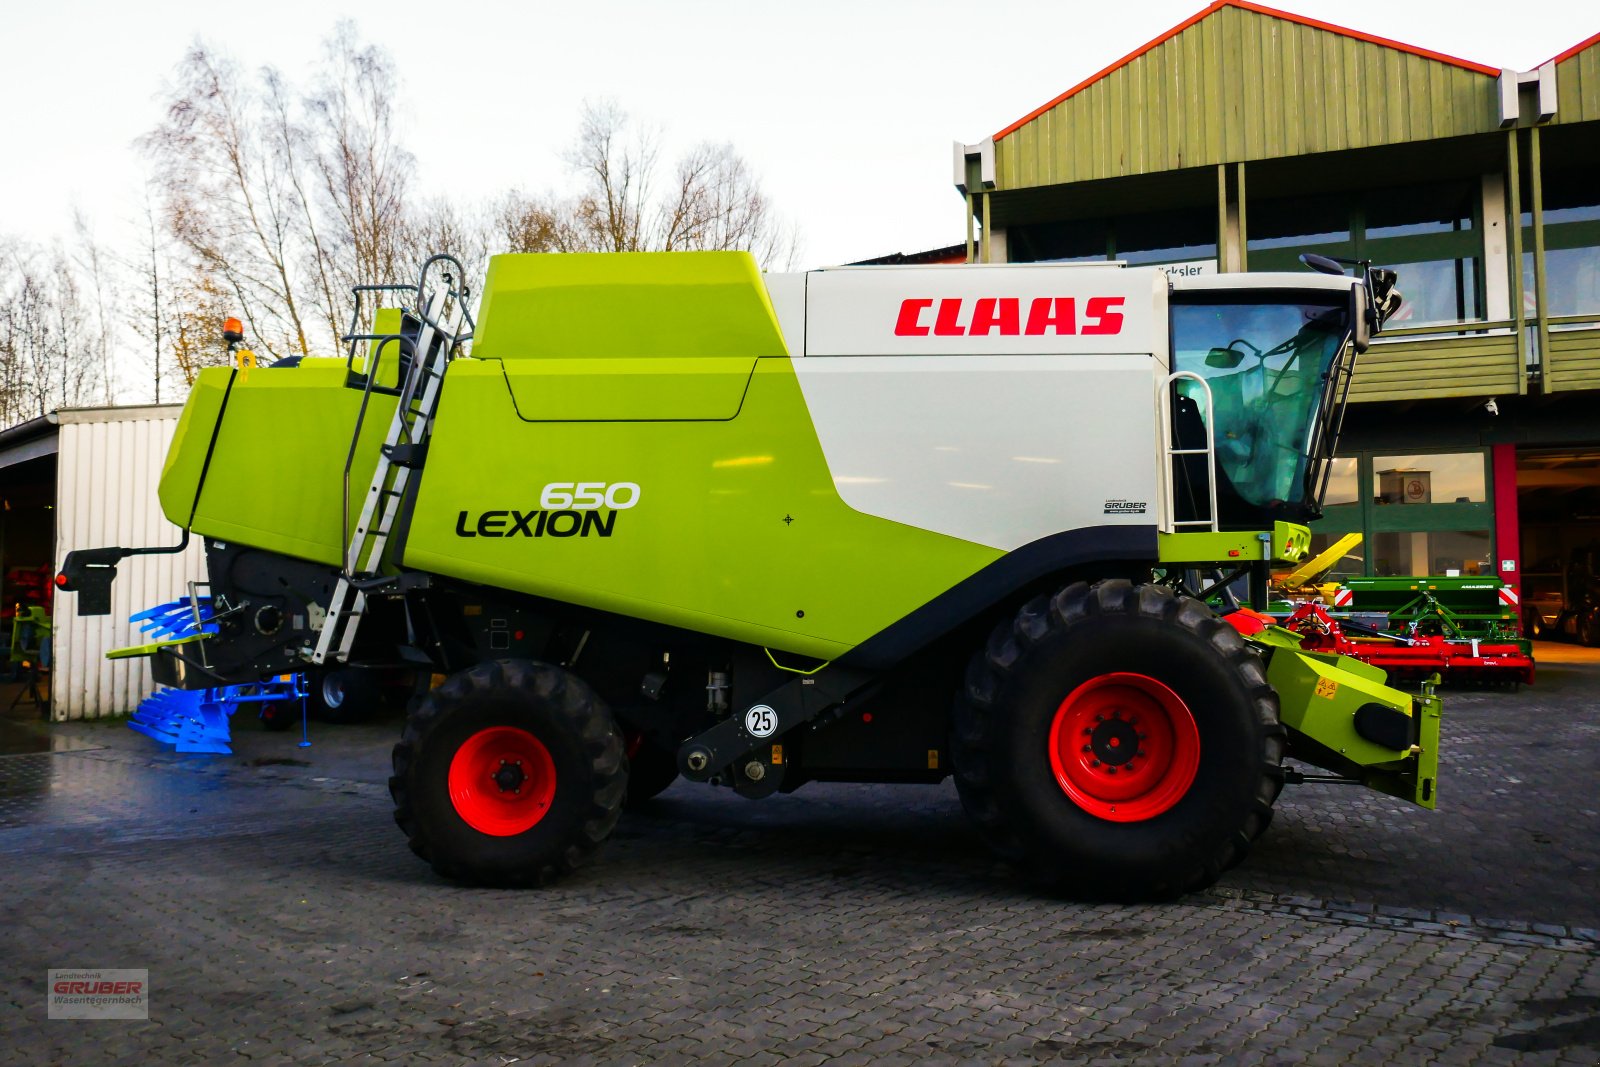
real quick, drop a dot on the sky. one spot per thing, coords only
(846, 110)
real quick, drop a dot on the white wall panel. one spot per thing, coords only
(108, 470)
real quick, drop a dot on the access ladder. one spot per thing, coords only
(444, 324)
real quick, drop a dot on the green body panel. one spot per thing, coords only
(277, 469)
(135, 651)
(628, 389)
(1289, 544)
(1318, 696)
(706, 546)
(564, 305)
(191, 441)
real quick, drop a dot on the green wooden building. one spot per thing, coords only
(1245, 136)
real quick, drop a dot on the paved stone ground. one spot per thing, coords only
(282, 920)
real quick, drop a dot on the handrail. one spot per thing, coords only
(1209, 451)
(1446, 328)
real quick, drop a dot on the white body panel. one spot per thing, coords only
(109, 463)
(997, 404)
(1003, 310)
(997, 450)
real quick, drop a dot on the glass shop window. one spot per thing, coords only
(1440, 478)
(1443, 553)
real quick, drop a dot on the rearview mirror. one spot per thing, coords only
(1224, 358)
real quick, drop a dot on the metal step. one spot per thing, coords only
(443, 318)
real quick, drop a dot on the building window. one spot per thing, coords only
(1441, 478)
(1572, 246)
(1428, 233)
(1157, 237)
(1443, 553)
(1420, 514)
(1351, 564)
(1344, 482)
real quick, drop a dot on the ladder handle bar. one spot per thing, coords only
(355, 439)
(1209, 451)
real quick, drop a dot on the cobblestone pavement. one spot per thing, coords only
(282, 920)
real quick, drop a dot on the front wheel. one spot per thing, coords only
(1119, 742)
(511, 773)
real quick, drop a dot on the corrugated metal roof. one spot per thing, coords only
(1244, 82)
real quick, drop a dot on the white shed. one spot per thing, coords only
(97, 470)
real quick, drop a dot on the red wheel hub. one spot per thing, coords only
(502, 781)
(1124, 747)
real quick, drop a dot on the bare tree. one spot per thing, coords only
(149, 309)
(713, 202)
(227, 198)
(97, 266)
(362, 171)
(47, 357)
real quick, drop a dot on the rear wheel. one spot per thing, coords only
(511, 773)
(346, 695)
(1588, 628)
(651, 769)
(1119, 742)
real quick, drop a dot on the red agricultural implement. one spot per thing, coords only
(1403, 656)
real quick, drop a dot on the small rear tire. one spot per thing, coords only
(1588, 627)
(511, 773)
(345, 695)
(1119, 742)
(651, 769)
(280, 715)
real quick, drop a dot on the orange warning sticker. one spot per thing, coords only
(933, 759)
(1326, 688)
(777, 755)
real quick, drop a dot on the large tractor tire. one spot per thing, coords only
(511, 773)
(1119, 742)
(1588, 627)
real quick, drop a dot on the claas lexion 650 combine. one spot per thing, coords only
(660, 514)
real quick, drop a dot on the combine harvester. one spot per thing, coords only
(661, 515)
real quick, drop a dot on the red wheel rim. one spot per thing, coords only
(502, 781)
(1124, 747)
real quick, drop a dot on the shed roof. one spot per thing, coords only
(1578, 82)
(1240, 81)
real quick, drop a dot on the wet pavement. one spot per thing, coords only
(282, 919)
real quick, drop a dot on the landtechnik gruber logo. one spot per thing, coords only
(98, 993)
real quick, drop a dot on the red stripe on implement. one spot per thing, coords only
(1271, 12)
(1509, 595)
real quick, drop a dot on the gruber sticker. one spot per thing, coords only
(1126, 507)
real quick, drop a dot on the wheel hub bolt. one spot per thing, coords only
(755, 770)
(697, 761)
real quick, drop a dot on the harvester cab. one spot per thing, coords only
(660, 515)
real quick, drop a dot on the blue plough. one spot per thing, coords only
(196, 720)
